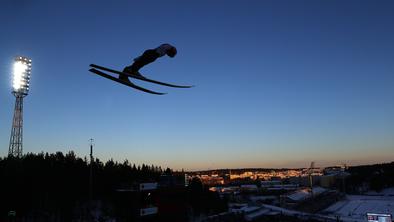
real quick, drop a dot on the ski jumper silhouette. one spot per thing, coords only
(147, 57)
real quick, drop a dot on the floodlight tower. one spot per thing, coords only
(20, 89)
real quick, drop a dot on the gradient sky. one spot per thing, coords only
(278, 83)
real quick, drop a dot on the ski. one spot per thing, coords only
(123, 82)
(138, 77)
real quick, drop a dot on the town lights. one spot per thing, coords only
(21, 75)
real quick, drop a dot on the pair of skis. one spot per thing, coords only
(96, 70)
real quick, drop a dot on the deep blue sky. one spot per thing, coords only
(278, 83)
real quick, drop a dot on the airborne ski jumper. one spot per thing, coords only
(147, 57)
(132, 71)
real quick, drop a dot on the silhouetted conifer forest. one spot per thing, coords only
(370, 177)
(56, 183)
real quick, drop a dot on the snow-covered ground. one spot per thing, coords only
(357, 206)
(385, 192)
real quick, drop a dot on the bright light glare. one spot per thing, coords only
(19, 74)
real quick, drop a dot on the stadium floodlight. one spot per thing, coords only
(21, 75)
(20, 85)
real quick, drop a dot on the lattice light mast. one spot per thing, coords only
(20, 85)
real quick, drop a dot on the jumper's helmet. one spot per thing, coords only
(172, 52)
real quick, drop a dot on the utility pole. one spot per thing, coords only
(310, 172)
(343, 175)
(91, 175)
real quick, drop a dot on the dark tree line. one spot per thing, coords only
(204, 201)
(52, 185)
(375, 177)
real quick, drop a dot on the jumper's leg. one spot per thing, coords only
(147, 57)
